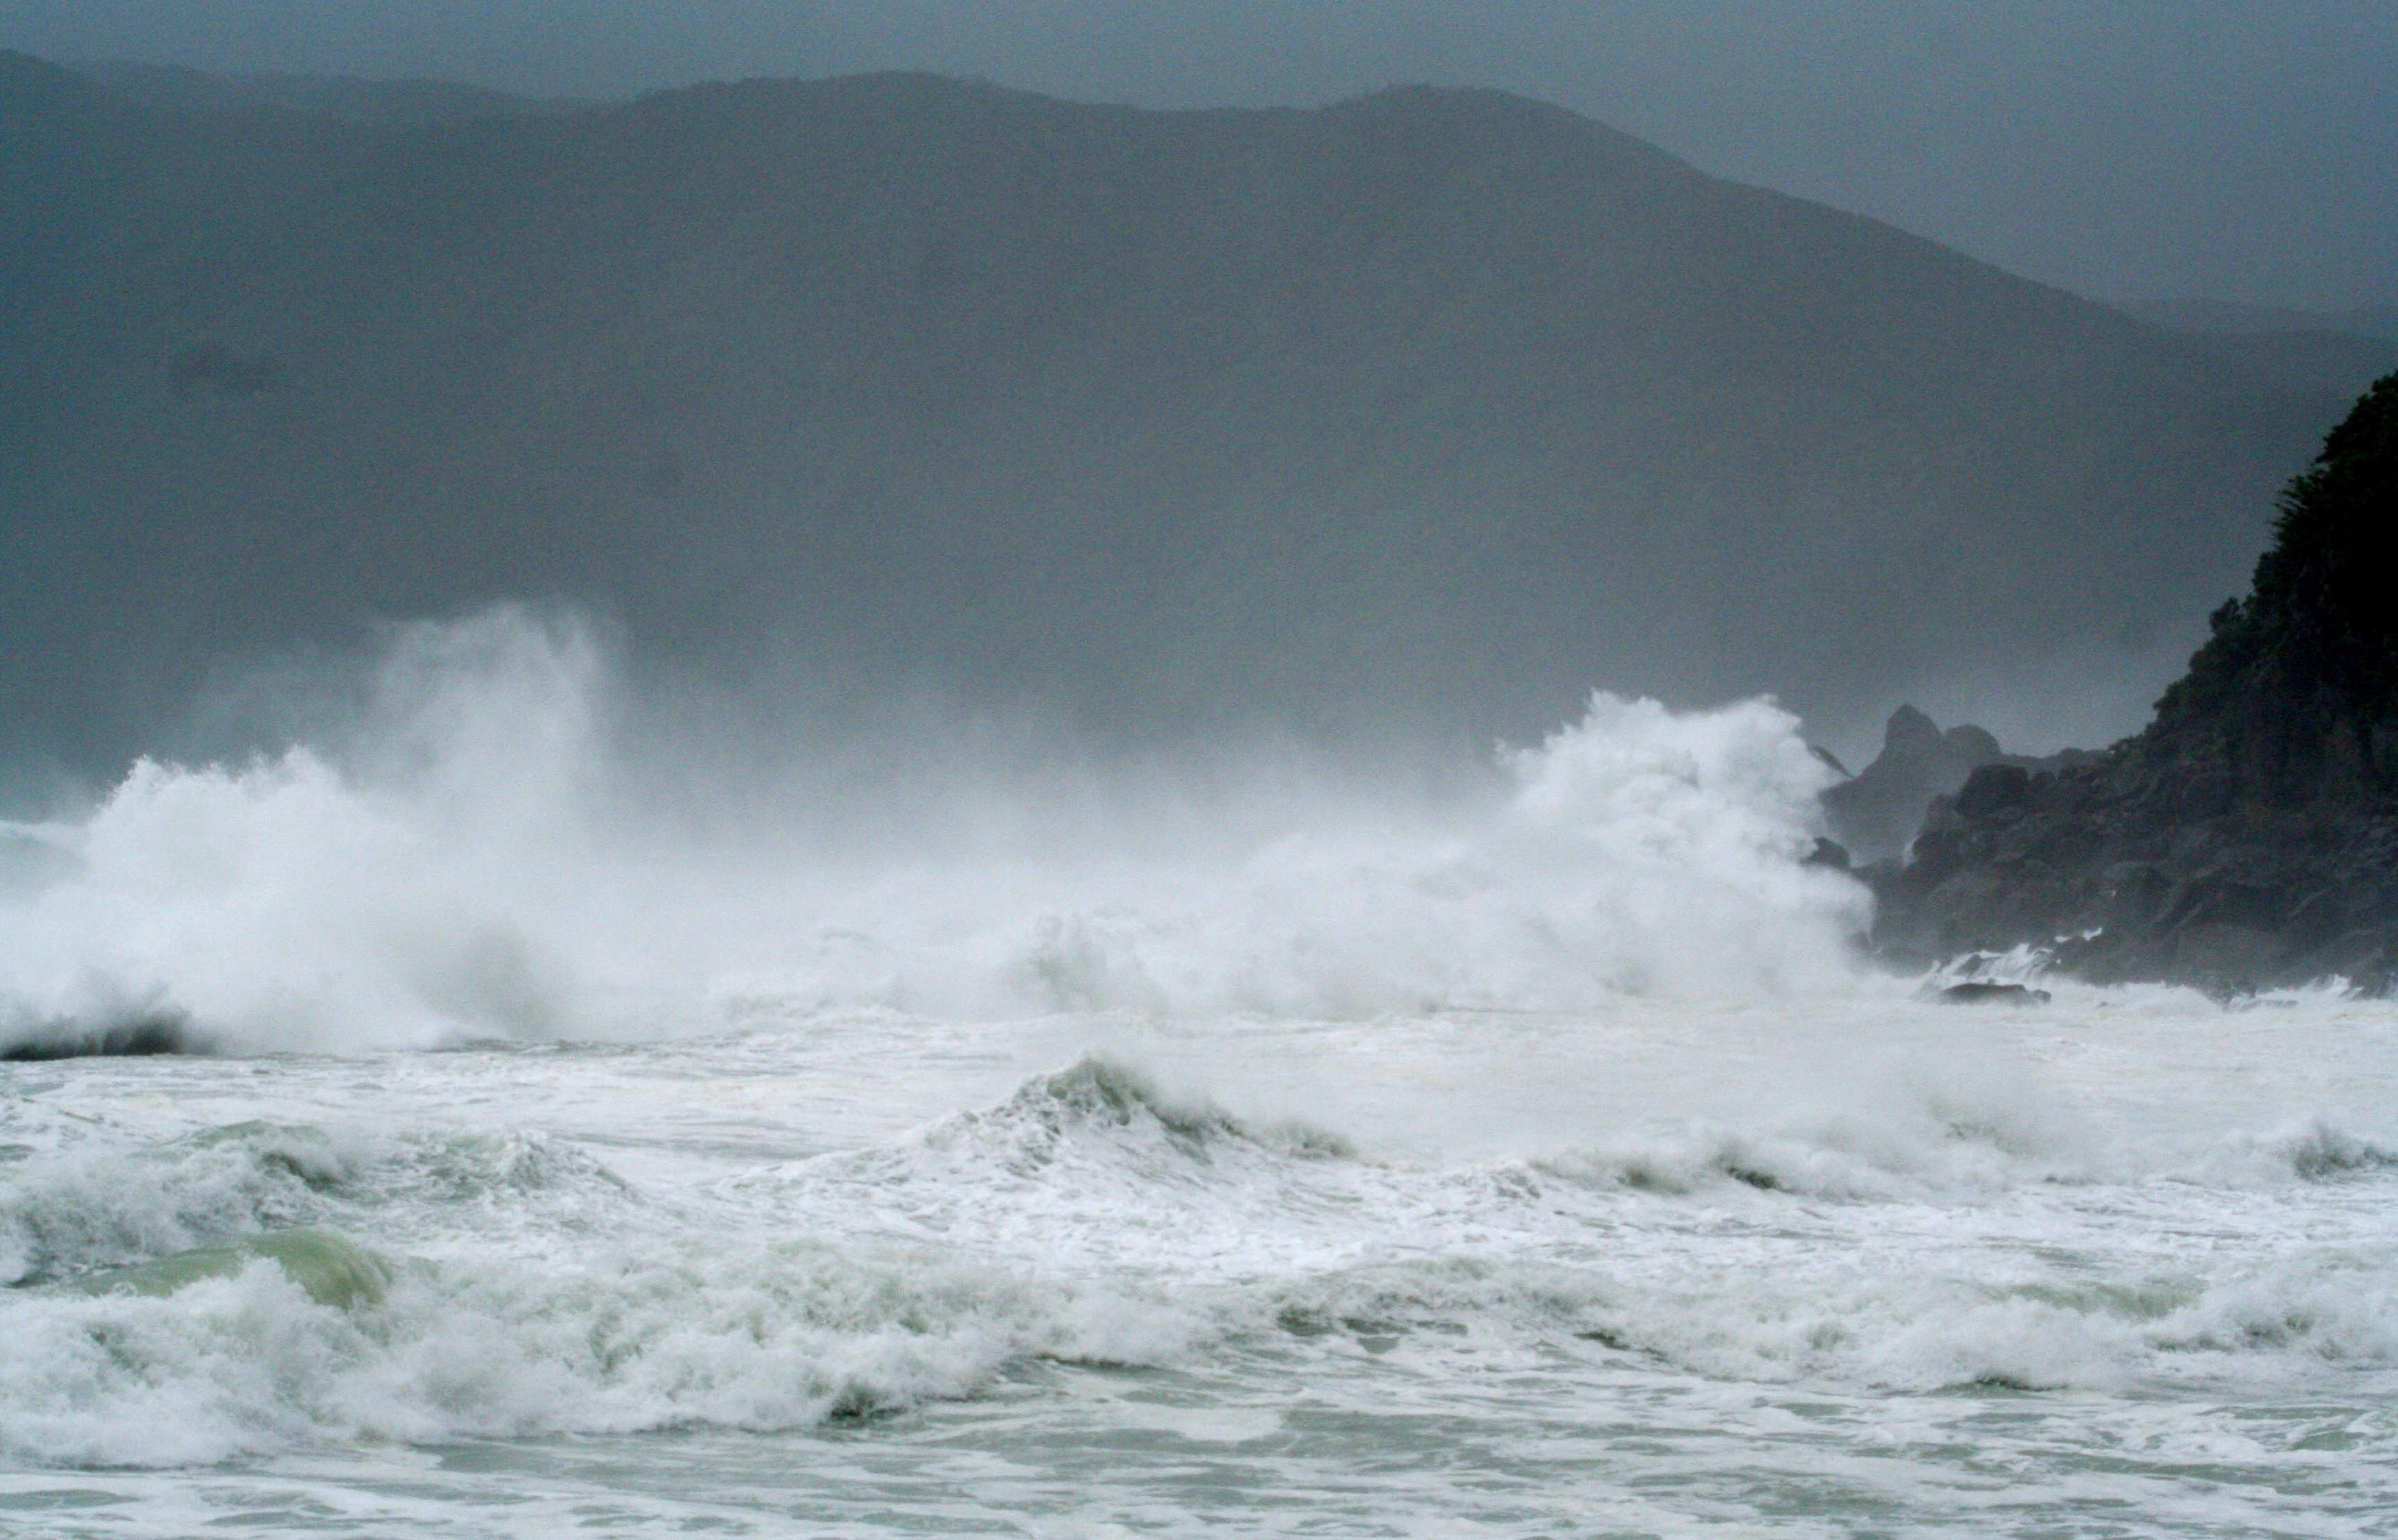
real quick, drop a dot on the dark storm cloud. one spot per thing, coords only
(2236, 150)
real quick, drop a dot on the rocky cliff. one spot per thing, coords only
(2248, 838)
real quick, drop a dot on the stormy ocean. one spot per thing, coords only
(535, 1145)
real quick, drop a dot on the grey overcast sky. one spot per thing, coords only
(2241, 150)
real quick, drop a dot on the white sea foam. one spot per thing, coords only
(67, 1212)
(1094, 1216)
(647, 1337)
(468, 863)
(63, 1213)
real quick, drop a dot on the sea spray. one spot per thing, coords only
(468, 860)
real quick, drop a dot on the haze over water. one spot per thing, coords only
(953, 1136)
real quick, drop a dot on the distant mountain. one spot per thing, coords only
(1435, 408)
(2248, 838)
(2224, 316)
(400, 102)
(2293, 348)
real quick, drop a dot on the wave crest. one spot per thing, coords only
(479, 859)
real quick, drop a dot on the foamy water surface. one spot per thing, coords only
(1532, 1158)
(2124, 1265)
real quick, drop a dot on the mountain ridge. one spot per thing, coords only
(414, 101)
(1434, 404)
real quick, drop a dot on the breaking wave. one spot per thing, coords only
(655, 1336)
(261, 1287)
(480, 859)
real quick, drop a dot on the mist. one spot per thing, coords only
(497, 840)
(1411, 420)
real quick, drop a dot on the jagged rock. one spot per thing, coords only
(1878, 810)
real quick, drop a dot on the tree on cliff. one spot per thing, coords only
(2297, 687)
(2248, 839)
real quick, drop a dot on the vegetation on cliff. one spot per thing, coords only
(2249, 837)
(2298, 683)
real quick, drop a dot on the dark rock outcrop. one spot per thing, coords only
(1875, 812)
(134, 1036)
(1982, 992)
(2248, 838)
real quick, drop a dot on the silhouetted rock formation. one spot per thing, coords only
(1875, 812)
(2249, 837)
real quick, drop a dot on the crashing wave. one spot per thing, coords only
(282, 1342)
(65, 1215)
(470, 863)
